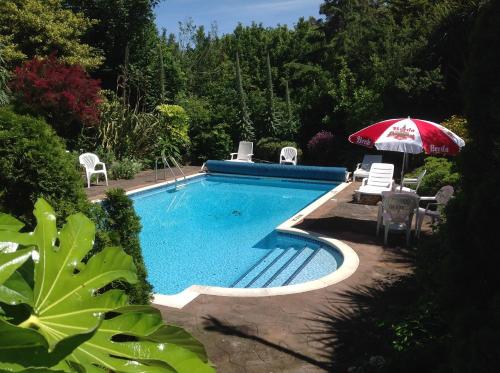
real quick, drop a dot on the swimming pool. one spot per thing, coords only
(219, 230)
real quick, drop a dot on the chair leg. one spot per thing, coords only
(106, 178)
(419, 224)
(88, 180)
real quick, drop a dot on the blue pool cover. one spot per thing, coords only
(337, 174)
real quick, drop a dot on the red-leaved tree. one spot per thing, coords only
(64, 94)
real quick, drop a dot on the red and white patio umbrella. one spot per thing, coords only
(408, 135)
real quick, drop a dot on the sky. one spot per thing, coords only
(227, 13)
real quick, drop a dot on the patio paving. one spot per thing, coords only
(143, 179)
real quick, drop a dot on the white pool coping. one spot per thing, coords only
(347, 268)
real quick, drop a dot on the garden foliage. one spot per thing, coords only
(440, 172)
(269, 149)
(4, 79)
(34, 163)
(173, 126)
(321, 147)
(123, 226)
(64, 95)
(125, 169)
(213, 143)
(38, 28)
(61, 315)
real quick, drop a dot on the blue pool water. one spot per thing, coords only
(216, 229)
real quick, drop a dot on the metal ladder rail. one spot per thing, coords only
(306, 262)
(265, 269)
(164, 168)
(172, 172)
(252, 268)
(289, 261)
(178, 167)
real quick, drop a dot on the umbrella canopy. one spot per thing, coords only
(409, 136)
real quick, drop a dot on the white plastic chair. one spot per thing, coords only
(245, 152)
(363, 169)
(412, 181)
(288, 155)
(380, 179)
(396, 213)
(440, 200)
(90, 161)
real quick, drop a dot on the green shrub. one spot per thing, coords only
(126, 132)
(173, 138)
(125, 169)
(33, 164)
(63, 315)
(269, 149)
(440, 172)
(214, 143)
(122, 226)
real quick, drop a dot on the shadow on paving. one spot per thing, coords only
(213, 324)
(365, 329)
(388, 327)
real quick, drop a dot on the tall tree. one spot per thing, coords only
(118, 23)
(30, 28)
(470, 288)
(244, 123)
(270, 129)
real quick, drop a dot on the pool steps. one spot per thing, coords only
(261, 273)
(275, 267)
(302, 266)
(277, 273)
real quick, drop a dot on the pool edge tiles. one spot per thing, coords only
(348, 267)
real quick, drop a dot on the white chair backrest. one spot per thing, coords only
(380, 174)
(444, 194)
(399, 207)
(288, 154)
(89, 160)
(244, 149)
(368, 160)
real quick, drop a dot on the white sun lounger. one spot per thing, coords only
(245, 152)
(363, 168)
(380, 179)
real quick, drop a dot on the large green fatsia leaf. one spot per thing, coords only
(33, 348)
(16, 290)
(10, 262)
(70, 298)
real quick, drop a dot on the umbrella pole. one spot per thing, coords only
(402, 172)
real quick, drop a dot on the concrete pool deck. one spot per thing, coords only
(283, 333)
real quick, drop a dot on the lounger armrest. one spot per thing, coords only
(233, 155)
(358, 166)
(391, 185)
(427, 208)
(364, 181)
(428, 198)
(410, 181)
(250, 156)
